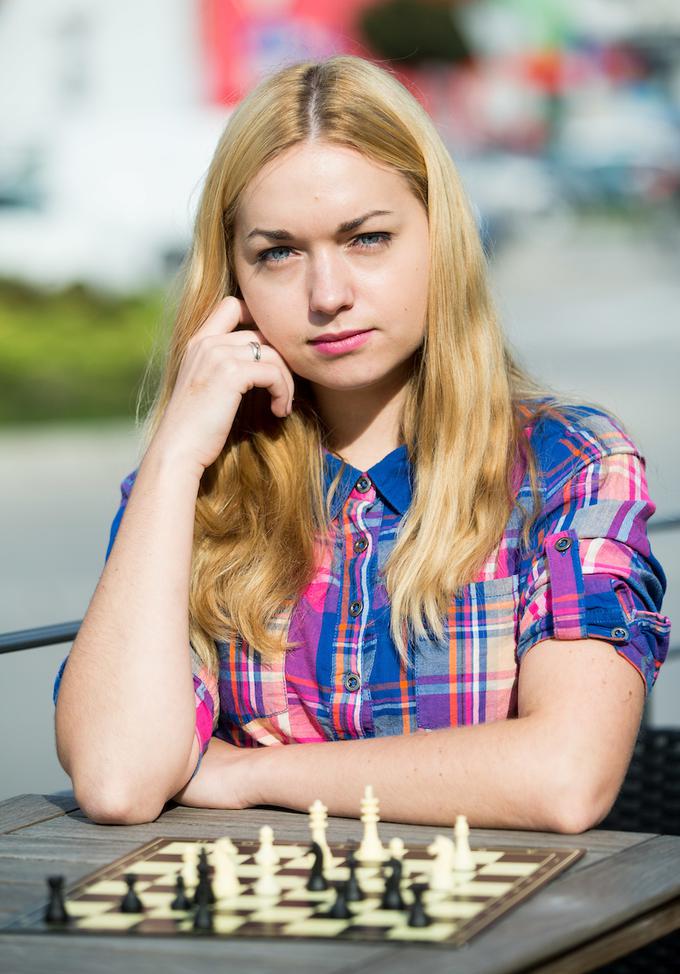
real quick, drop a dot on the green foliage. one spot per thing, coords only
(414, 32)
(75, 354)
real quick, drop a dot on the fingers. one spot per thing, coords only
(237, 347)
(229, 313)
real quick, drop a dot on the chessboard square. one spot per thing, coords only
(317, 927)
(85, 908)
(317, 896)
(153, 899)
(483, 856)
(489, 889)
(281, 914)
(290, 882)
(301, 862)
(149, 866)
(113, 887)
(455, 909)
(287, 851)
(509, 869)
(223, 923)
(436, 932)
(382, 918)
(361, 906)
(243, 903)
(111, 921)
(165, 913)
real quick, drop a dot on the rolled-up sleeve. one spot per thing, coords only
(205, 683)
(589, 571)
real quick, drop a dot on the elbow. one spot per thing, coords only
(576, 803)
(112, 805)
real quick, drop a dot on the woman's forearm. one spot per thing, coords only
(506, 774)
(125, 712)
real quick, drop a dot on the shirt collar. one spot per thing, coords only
(391, 476)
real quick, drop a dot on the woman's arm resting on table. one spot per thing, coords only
(557, 767)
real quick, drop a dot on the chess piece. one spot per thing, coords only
(353, 891)
(55, 911)
(441, 877)
(397, 850)
(417, 916)
(131, 903)
(267, 852)
(318, 823)
(371, 848)
(181, 900)
(340, 909)
(392, 898)
(317, 880)
(190, 867)
(463, 861)
(225, 881)
(204, 891)
(267, 884)
(203, 917)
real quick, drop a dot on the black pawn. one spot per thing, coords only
(353, 891)
(203, 917)
(340, 910)
(204, 891)
(317, 880)
(417, 916)
(392, 898)
(181, 900)
(131, 903)
(55, 911)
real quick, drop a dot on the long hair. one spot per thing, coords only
(262, 520)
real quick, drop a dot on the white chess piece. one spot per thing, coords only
(225, 880)
(190, 867)
(267, 884)
(371, 848)
(397, 850)
(318, 823)
(225, 845)
(442, 878)
(266, 853)
(463, 861)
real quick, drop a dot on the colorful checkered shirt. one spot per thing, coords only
(587, 572)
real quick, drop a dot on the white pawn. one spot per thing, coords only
(266, 854)
(397, 850)
(267, 884)
(318, 823)
(371, 848)
(443, 850)
(226, 846)
(463, 861)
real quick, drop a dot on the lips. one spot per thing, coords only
(338, 336)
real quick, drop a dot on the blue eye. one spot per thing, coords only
(380, 239)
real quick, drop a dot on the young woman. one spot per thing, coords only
(358, 528)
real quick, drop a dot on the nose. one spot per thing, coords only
(330, 284)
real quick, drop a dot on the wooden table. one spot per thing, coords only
(623, 893)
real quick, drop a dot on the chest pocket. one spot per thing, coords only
(253, 693)
(470, 676)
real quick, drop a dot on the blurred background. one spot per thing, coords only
(563, 117)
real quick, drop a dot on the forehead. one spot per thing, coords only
(318, 180)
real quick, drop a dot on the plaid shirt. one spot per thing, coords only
(587, 572)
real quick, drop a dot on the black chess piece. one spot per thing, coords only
(417, 916)
(181, 900)
(392, 898)
(131, 903)
(203, 917)
(55, 911)
(317, 880)
(353, 891)
(340, 910)
(204, 891)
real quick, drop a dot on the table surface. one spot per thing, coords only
(624, 892)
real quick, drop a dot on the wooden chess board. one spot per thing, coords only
(502, 878)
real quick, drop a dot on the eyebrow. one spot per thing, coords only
(343, 228)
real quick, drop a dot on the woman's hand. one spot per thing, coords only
(225, 779)
(217, 369)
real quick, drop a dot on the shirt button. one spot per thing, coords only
(360, 545)
(355, 608)
(563, 544)
(352, 682)
(363, 484)
(619, 633)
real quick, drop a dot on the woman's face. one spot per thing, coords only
(302, 274)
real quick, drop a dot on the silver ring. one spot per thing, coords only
(257, 350)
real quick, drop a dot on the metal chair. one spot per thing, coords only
(649, 801)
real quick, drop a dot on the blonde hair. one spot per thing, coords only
(262, 519)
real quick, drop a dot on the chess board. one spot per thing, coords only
(502, 878)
